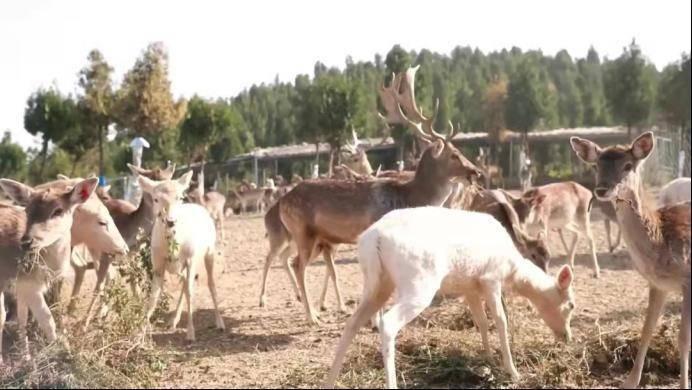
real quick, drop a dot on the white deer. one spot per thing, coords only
(418, 251)
(675, 191)
(182, 237)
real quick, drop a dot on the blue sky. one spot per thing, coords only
(218, 48)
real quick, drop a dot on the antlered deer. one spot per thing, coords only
(323, 213)
(418, 251)
(658, 240)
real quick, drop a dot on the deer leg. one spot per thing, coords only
(656, 300)
(573, 248)
(329, 259)
(76, 286)
(189, 295)
(101, 276)
(211, 284)
(480, 319)
(273, 249)
(178, 310)
(286, 261)
(685, 337)
(606, 224)
(371, 303)
(562, 238)
(405, 309)
(39, 308)
(586, 223)
(494, 300)
(306, 249)
(2, 320)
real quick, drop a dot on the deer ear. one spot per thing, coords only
(643, 145)
(83, 190)
(565, 277)
(184, 180)
(586, 150)
(20, 193)
(147, 184)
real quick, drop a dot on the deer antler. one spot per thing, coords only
(400, 102)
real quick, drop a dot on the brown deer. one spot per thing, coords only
(35, 246)
(495, 203)
(492, 173)
(319, 214)
(560, 206)
(658, 240)
(213, 201)
(128, 221)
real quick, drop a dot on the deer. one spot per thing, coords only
(129, 220)
(609, 218)
(561, 206)
(420, 251)
(319, 214)
(675, 191)
(213, 201)
(183, 235)
(491, 172)
(495, 203)
(36, 241)
(658, 240)
(250, 196)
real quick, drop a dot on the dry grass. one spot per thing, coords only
(113, 353)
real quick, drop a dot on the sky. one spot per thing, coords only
(219, 48)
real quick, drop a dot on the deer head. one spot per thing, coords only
(153, 174)
(50, 212)
(356, 158)
(400, 104)
(615, 165)
(166, 194)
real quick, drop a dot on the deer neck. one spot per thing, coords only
(529, 281)
(429, 186)
(57, 255)
(640, 224)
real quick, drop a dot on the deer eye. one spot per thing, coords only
(103, 223)
(57, 212)
(628, 167)
(156, 200)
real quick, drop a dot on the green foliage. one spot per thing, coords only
(674, 92)
(52, 115)
(145, 104)
(629, 86)
(12, 159)
(529, 98)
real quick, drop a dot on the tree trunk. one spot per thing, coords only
(44, 152)
(331, 162)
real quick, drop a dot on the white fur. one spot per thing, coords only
(417, 251)
(676, 191)
(194, 234)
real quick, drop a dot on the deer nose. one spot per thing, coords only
(26, 243)
(600, 191)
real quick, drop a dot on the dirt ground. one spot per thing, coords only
(274, 347)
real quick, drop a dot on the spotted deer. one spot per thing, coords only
(561, 206)
(658, 240)
(319, 214)
(412, 253)
(35, 246)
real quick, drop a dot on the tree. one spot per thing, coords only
(12, 158)
(674, 92)
(529, 98)
(564, 74)
(53, 116)
(629, 87)
(145, 104)
(198, 129)
(96, 106)
(590, 83)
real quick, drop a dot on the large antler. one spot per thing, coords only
(400, 103)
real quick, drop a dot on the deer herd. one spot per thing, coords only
(421, 232)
